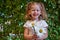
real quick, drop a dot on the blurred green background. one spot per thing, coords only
(12, 18)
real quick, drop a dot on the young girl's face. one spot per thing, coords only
(35, 11)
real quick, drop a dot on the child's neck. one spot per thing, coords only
(35, 19)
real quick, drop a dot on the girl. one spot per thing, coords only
(35, 27)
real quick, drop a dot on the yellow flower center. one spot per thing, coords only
(40, 30)
(33, 24)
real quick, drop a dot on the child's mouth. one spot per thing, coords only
(35, 14)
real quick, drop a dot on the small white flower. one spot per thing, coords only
(33, 23)
(10, 15)
(1, 28)
(12, 35)
(8, 22)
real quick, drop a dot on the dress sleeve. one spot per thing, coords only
(27, 24)
(45, 24)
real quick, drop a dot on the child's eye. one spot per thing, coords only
(38, 10)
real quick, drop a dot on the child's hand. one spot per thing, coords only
(35, 36)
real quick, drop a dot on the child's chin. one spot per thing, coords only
(35, 17)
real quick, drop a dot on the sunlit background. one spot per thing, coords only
(12, 18)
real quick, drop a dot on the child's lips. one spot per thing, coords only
(35, 14)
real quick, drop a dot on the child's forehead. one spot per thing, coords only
(35, 5)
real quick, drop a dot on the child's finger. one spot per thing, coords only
(35, 36)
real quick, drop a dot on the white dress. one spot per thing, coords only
(38, 27)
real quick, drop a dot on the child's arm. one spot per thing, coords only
(26, 33)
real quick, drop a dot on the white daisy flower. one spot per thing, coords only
(40, 31)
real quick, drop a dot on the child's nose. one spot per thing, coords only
(35, 11)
